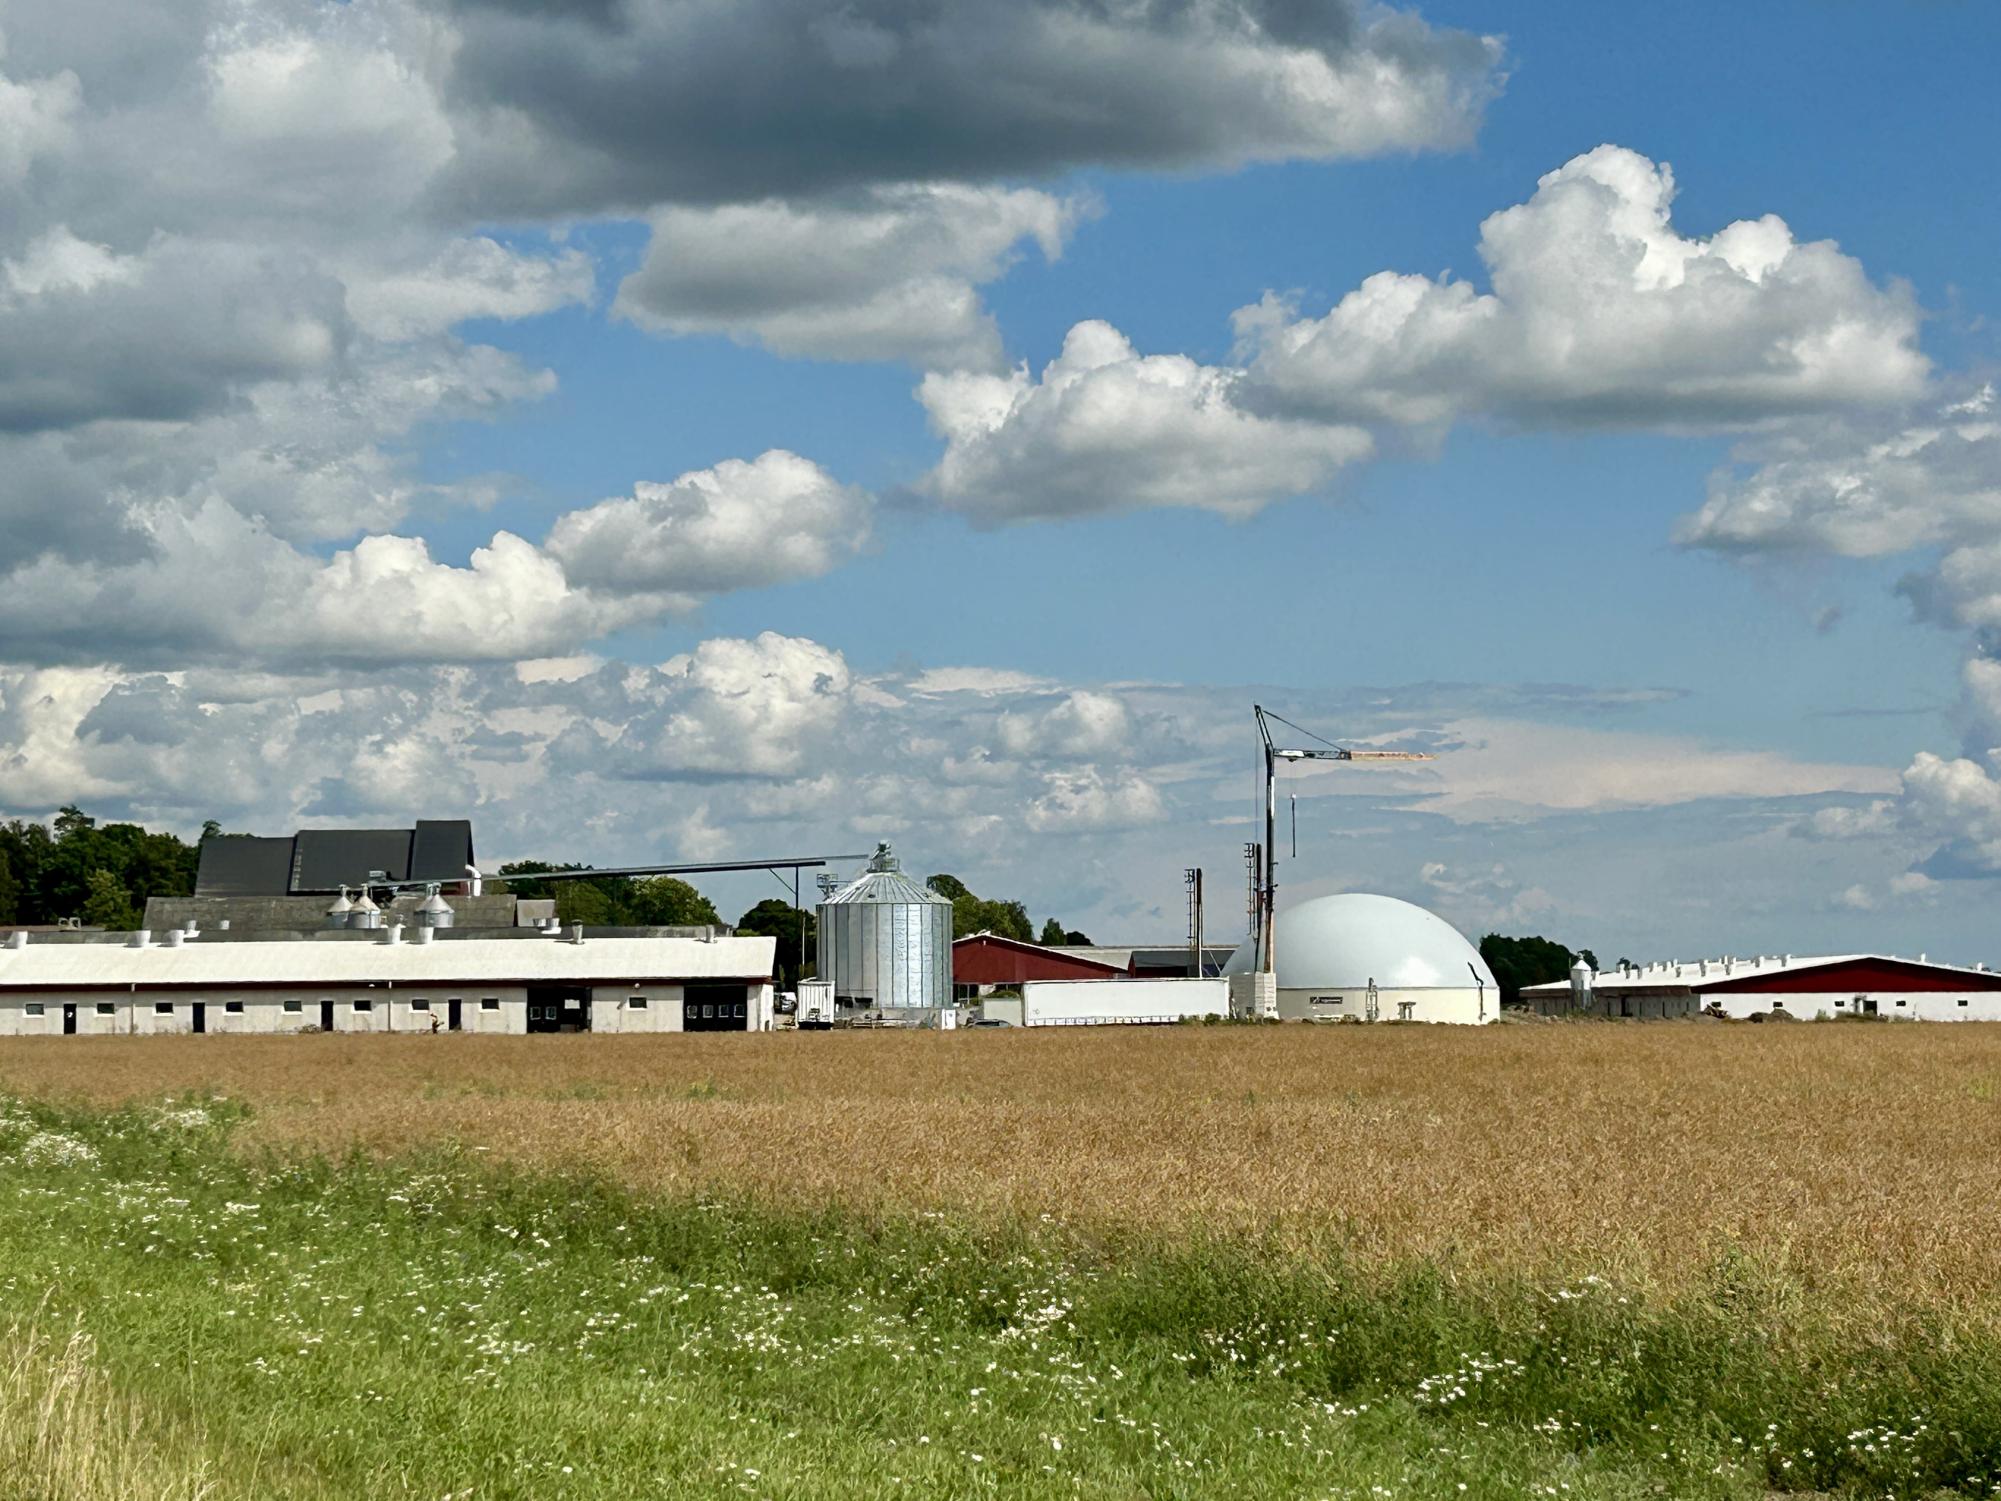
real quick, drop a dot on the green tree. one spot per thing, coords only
(107, 905)
(10, 889)
(781, 920)
(1528, 961)
(948, 886)
(586, 902)
(667, 902)
(1053, 935)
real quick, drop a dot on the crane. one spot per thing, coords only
(1274, 753)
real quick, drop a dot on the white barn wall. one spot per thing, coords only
(1912, 1005)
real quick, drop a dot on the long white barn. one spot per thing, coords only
(501, 985)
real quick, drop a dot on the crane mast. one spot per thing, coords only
(1267, 897)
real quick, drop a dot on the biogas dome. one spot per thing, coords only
(1374, 958)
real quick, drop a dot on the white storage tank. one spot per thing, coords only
(886, 941)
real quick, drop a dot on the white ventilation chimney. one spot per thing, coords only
(393, 933)
(577, 933)
(174, 938)
(17, 940)
(143, 939)
(426, 935)
(223, 924)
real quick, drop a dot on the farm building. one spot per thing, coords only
(1373, 958)
(982, 961)
(550, 983)
(1793, 985)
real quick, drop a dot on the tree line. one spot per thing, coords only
(1005, 919)
(73, 869)
(1529, 961)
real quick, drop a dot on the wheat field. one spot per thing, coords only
(1852, 1154)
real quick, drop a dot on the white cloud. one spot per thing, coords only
(1491, 897)
(467, 278)
(739, 525)
(1601, 314)
(741, 708)
(1089, 800)
(1494, 769)
(35, 120)
(891, 273)
(1106, 428)
(1083, 724)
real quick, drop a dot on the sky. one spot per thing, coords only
(669, 430)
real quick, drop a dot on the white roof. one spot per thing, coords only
(1696, 974)
(1343, 942)
(446, 961)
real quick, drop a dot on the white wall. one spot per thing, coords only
(1470, 1006)
(611, 1010)
(1915, 1005)
(1053, 1003)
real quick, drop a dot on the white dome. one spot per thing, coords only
(1343, 942)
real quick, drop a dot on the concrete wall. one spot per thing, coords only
(612, 1011)
(1470, 1006)
(1055, 1003)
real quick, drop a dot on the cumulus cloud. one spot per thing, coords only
(888, 273)
(1089, 799)
(1106, 428)
(1601, 313)
(1488, 897)
(1082, 724)
(586, 108)
(739, 525)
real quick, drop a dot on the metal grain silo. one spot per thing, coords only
(886, 940)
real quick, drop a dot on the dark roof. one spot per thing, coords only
(324, 860)
(244, 865)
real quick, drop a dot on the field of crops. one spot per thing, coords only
(1579, 1260)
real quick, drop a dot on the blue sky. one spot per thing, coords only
(437, 298)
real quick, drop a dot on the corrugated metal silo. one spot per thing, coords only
(886, 940)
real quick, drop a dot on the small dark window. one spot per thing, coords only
(34, 1008)
(232, 1008)
(363, 1005)
(420, 1005)
(1962, 1000)
(489, 1003)
(1839, 1004)
(106, 1008)
(709, 1011)
(638, 1002)
(1900, 1003)
(294, 1007)
(163, 1008)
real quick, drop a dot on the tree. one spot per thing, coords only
(107, 905)
(667, 902)
(1053, 935)
(10, 889)
(779, 919)
(1080, 940)
(948, 886)
(1527, 961)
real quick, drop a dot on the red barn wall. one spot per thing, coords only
(1858, 977)
(980, 961)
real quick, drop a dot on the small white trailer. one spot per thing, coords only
(1098, 1003)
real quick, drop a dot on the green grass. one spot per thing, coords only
(441, 1327)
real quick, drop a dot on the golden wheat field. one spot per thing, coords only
(1845, 1153)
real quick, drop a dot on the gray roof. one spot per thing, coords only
(884, 881)
(324, 860)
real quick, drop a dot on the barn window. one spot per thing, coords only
(106, 1008)
(420, 1005)
(489, 1003)
(1962, 1000)
(1900, 1003)
(363, 1005)
(1839, 1004)
(293, 1008)
(232, 1008)
(163, 1008)
(638, 1002)
(33, 1008)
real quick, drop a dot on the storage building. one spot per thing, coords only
(1374, 958)
(558, 983)
(1791, 985)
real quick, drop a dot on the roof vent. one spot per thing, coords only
(434, 911)
(17, 939)
(884, 860)
(174, 937)
(1921, 957)
(393, 933)
(143, 939)
(577, 933)
(341, 913)
(425, 935)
